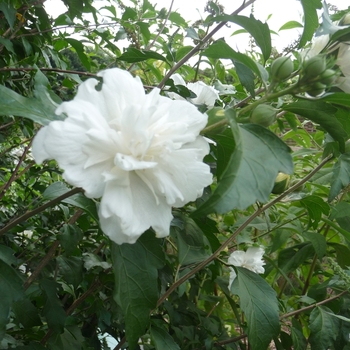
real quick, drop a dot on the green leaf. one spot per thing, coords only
(324, 328)
(341, 175)
(299, 340)
(191, 33)
(291, 25)
(316, 207)
(30, 318)
(259, 303)
(8, 44)
(342, 253)
(251, 172)
(71, 269)
(162, 339)
(136, 282)
(80, 50)
(341, 213)
(12, 103)
(191, 242)
(318, 241)
(9, 12)
(11, 290)
(258, 30)
(75, 7)
(310, 20)
(340, 98)
(177, 19)
(323, 114)
(69, 237)
(132, 55)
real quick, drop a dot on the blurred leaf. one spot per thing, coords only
(30, 318)
(290, 25)
(342, 253)
(9, 12)
(71, 269)
(299, 340)
(132, 55)
(323, 114)
(258, 30)
(324, 328)
(341, 175)
(80, 50)
(259, 303)
(70, 338)
(340, 98)
(176, 18)
(315, 207)
(191, 33)
(251, 172)
(318, 241)
(162, 339)
(136, 287)
(310, 20)
(75, 7)
(11, 290)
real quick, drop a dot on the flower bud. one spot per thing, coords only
(316, 89)
(345, 20)
(263, 115)
(328, 77)
(281, 183)
(314, 67)
(281, 68)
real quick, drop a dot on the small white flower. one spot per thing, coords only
(251, 260)
(141, 153)
(206, 95)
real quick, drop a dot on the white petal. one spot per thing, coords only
(206, 95)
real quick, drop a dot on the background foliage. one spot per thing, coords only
(64, 285)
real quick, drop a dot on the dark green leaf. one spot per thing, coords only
(132, 55)
(9, 12)
(69, 237)
(71, 269)
(136, 286)
(8, 44)
(70, 338)
(251, 172)
(341, 175)
(318, 241)
(258, 30)
(339, 98)
(315, 206)
(30, 318)
(259, 303)
(162, 339)
(310, 20)
(299, 340)
(342, 253)
(324, 328)
(80, 50)
(323, 114)
(246, 77)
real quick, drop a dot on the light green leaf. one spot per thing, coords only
(162, 339)
(318, 241)
(259, 303)
(291, 25)
(315, 206)
(341, 175)
(323, 114)
(324, 328)
(136, 282)
(251, 172)
(191, 33)
(258, 30)
(310, 20)
(12, 103)
(132, 55)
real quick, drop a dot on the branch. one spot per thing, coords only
(29, 69)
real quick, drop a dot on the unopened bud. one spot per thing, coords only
(316, 89)
(345, 20)
(314, 67)
(263, 115)
(281, 183)
(328, 77)
(281, 68)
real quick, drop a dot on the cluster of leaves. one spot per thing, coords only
(64, 285)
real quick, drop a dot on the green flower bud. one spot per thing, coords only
(347, 146)
(263, 115)
(314, 67)
(281, 68)
(345, 20)
(316, 89)
(328, 77)
(281, 183)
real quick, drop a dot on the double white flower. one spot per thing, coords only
(251, 260)
(141, 153)
(205, 95)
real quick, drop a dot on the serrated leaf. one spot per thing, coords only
(318, 241)
(310, 20)
(324, 328)
(315, 207)
(136, 287)
(341, 175)
(162, 339)
(321, 113)
(11, 289)
(251, 172)
(258, 30)
(132, 55)
(259, 303)
(71, 269)
(12, 103)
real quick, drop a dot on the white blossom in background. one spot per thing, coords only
(142, 153)
(206, 95)
(251, 260)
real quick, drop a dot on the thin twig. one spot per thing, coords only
(29, 69)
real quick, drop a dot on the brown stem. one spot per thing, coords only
(38, 210)
(29, 69)
(200, 45)
(238, 231)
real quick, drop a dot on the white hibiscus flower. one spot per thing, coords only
(141, 153)
(206, 95)
(251, 260)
